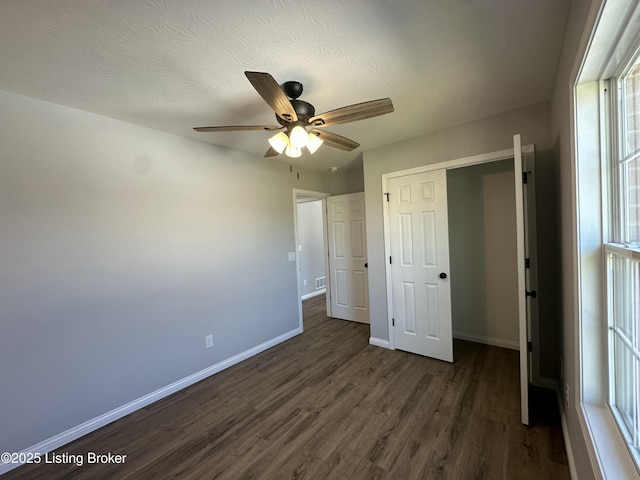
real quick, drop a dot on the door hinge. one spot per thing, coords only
(525, 177)
(532, 293)
(527, 263)
(387, 195)
(390, 261)
(393, 322)
(529, 347)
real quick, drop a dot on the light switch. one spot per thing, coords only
(299, 248)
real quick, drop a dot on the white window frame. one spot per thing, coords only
(613, 118)
(631, 438)
(618, 150)
(610, 33)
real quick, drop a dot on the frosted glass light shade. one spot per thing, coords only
(298, 136)
(314, 143)
(279, 142)
(293, 151)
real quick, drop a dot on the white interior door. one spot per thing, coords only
(349, 288)
(522, 284)
(531, 265)
(419, 241)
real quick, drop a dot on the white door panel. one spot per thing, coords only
(349, 290)
(522, 285)
(419, 241)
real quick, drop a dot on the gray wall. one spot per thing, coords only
(121, 247)
(347, 182)
(482, 136)
(482, 250)
(311, 241)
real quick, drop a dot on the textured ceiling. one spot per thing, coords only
(176, 64)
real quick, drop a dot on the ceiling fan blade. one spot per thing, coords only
(271, 92)
(336, 141)
(352, 113)
(235, 128)
(272, 152)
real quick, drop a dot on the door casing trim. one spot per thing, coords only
(446, 165)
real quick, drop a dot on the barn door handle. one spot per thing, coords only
(443, 275)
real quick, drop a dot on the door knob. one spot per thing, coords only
(443, 275)
(366, 265)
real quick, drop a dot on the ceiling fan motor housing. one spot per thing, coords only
(292, 89)
(304, 110)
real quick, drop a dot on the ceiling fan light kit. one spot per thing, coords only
(314, 143)
(298, 139)
(293, 151)
(279, 142)
(299, 136)
(296, 115)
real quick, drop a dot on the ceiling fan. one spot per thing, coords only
(294, 116)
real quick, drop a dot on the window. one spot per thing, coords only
(605, 123)
(629, 121)
(623, 268)
(623, 262)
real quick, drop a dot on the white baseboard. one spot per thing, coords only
(89, 426)
(313, 294)
(495, 342)
(378, 342)
(565, 435)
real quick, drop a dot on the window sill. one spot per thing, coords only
(612, 455)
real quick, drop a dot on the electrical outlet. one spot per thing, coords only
(208, 341)
(304, 282)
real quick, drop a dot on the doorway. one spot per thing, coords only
(331, 253)
(482, 246)
(483, 214)
(311, 246)
(403, 294)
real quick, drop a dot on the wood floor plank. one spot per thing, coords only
(327, 405)
(340, 464)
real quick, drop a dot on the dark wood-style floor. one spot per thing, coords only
(327, 405)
